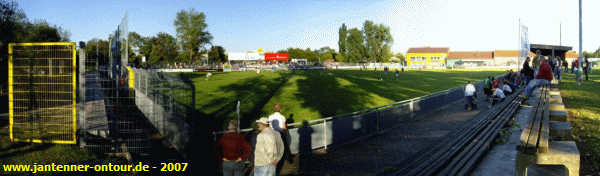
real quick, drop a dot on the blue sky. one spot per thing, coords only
(272, 25)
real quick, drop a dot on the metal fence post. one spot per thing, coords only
(325, 134)
(377, 114)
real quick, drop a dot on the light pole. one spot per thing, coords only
(580, 57)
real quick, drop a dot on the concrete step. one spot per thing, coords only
(559, 153)
(560, 131)
(560, 116)
(556, 100)
(554, 93)
(557, 107)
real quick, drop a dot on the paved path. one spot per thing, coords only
(382, 152)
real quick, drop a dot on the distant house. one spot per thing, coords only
(470, 58)
(506, 57)
(426, 57)
(570, 56)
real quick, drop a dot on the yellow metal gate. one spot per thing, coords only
(41, 78)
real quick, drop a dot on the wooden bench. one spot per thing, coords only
(536, 146)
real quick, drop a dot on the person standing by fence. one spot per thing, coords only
(278, 123)
(234, 149)
(268, 151)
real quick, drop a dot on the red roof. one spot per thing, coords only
(470, 55)
(428, 50)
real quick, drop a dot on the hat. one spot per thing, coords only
(263, 120)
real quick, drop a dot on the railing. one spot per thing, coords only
(350, 127)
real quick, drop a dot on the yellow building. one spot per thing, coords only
(427, 57)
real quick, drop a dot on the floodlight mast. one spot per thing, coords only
(580, 57)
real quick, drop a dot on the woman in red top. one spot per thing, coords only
(234, 150)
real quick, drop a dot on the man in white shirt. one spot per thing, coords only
(470, 91)
(277, 120)
(268, 150)
(498, 96)
(506, 88)
(277, 123)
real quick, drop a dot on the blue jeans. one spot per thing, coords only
(468, 101)
(232, 168)
(534, 84)
(266, 170)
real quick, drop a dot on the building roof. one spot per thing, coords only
(428, 50)
(571, 54)
(470, 55)
(507, 53)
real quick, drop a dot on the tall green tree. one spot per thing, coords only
(135, 43)
(378, 41)
(401, 57)
(355, 47)
(191, 32)
(217, 54)
(97, 49)
(342, 33)
(325, 53)
(164, 49)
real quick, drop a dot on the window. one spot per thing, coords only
(435, 59)
(417, 59)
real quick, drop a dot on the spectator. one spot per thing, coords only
(208, 75)
(543, 77)
(470, 92)
(557, 69)
(498, 96)
(527, 71)
(397, 74)
(586, 68)
(234, 150)
(487, 87)
(536, 60)
(268, 151)
(507, 88)
(277, 120)
(278, 123)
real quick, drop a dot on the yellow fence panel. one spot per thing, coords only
(41, 78)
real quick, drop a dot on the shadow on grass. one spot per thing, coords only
(320, 90)
(33, 148)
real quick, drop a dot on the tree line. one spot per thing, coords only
(372, 43)
(188, 46)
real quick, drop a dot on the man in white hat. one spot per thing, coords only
(268, 150)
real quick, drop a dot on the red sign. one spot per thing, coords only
(277, 57)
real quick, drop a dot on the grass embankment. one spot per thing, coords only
(313, 94)
(29, 153)
(583, 104)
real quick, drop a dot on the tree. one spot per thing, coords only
(135, 43)
(191, 32)
(298, 53)
(342, 33)
(164, 49)
(401, 57)
(97, 49)
(355, 48)
(378, 41)
(372, 43)
(217, 54)
(325, 53)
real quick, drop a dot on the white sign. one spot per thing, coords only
(525, 48)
